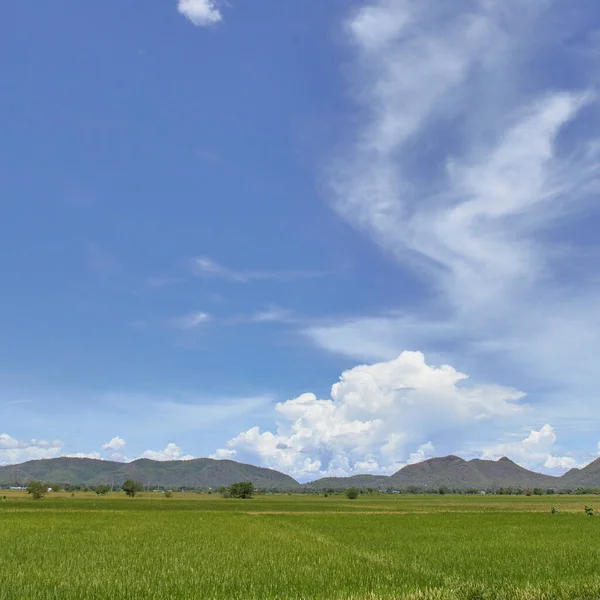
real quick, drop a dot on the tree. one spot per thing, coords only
(241, 489)
(352, 493)
(131, 487)
(443, 489)
(102, 490)
(37, 489)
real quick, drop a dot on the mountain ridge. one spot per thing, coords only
(457, 473)
(194, 473)
(451, 471)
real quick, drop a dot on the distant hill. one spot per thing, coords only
(457, 473)
(451, 471)
(359, 481)
(587, 477)
(197, 473)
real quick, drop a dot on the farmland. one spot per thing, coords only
(298, 546)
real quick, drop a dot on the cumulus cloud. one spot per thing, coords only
(171, 452)
(375, 415)
(534, 452)
(470, 168)
(116, 443)
(200, 12)
(16, 451)
(424, 451)
(94, 455)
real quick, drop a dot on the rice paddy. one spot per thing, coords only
(298, 547)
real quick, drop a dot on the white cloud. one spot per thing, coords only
(274, 314)
(206, 267)
(470, 170)
(473, 221)
(534, 452)
(171, 452)
(116, 443)
(224, 454)
(191, 320)
(94, 455)
(375, 414)
(17, 451)
(424, 451)
(200, 12)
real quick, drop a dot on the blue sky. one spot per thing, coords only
(213, 212)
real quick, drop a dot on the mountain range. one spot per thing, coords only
(196, 473)
(451, 471)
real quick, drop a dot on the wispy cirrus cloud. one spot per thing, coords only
(190, 321)
(187, 322)
(472, 168)
(274, 314)
(206, 267)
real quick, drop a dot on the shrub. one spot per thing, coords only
(554, 510)
(168, 494)
(131, 487)
(37, 489)
(589, 511)
(241, 489)
(102, 490)
(352, 493)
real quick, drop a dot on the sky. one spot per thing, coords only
(328, 238)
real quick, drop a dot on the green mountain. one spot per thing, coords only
(197, 473)
(457, 473)
(359, 481)
(451, 471)
(587, 477)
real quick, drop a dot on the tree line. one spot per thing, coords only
(245, 489)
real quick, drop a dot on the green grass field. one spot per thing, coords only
(376, 547)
